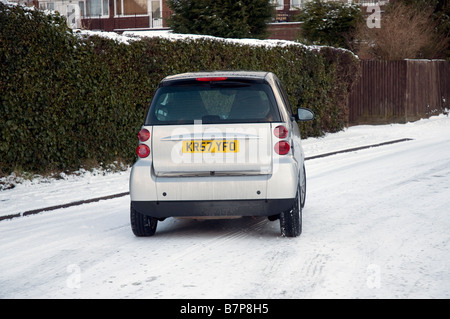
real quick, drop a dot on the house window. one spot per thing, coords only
(97, 8)
(47, 5)
(279, 4)
(82, 5)
(297, 4)
(130, 7)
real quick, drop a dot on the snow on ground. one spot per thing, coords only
(375, 225)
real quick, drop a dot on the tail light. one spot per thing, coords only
(282, 147)
(280, 131)
(143, 151)
(143, 135)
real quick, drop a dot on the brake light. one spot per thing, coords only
(143, 151)
(282, 147)
(143, 135)
(211, 79)
(280, 131)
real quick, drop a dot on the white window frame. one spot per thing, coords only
(279, 4)
(128, 15)
(297, 4)
(102, 9)
(47, 5)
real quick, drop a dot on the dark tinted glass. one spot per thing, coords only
(213, 102)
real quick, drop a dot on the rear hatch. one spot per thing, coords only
(212, 126)
(212, 149)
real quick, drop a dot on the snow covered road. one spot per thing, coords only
(376, 225)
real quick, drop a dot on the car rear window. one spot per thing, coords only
(213, 102)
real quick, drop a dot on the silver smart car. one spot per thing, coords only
(219, 144)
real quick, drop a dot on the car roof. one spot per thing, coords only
(229, 74)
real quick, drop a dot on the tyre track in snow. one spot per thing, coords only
(97, 199)
(198, 250)
(234, 233)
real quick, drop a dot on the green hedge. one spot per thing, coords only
(68, 99)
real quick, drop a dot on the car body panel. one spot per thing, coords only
(254, 154)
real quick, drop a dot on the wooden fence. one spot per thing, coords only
(399, 91)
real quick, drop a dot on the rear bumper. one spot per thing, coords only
(216, 208)
(145, 186)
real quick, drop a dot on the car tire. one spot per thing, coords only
(303, 187)
(291, 219)
(142, 225)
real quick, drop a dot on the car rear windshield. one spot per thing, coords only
(213, 102)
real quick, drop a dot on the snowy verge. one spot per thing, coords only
(40, 192)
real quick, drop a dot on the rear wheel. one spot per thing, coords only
(142, 225)
(303, 188)
(291, 219)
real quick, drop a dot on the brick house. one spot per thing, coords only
(120, 15)
(111, 15)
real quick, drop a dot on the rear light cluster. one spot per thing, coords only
(143, 150)
(282, 147)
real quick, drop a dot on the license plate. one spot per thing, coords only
(211, 146)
